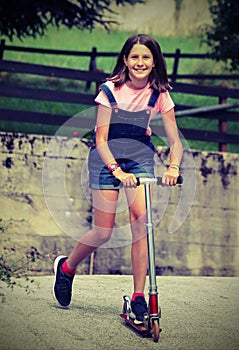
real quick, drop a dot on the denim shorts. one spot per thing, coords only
(137, 159)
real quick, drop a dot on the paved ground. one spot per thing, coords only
(197, 313)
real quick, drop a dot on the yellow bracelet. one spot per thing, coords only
(174, 166)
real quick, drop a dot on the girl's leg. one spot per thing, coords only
(139, 252)
(104, 203)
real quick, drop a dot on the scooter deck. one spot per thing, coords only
(139, 327)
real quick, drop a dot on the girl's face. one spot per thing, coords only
(140, 63)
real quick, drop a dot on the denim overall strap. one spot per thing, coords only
(109, 94)
(153, 98)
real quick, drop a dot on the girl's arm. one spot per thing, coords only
(102, 130)
(176, 149)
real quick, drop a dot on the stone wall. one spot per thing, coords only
(45, 205)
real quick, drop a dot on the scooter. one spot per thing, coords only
(150, 327)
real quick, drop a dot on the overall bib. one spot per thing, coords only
(128, 142)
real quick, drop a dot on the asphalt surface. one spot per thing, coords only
(197, 313)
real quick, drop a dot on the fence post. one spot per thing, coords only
(2, 47)
(175, 65)
(222, 147)
(92, 66)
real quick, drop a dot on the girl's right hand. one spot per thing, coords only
(127, 179)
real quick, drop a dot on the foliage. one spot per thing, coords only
(21, 18)
(11, 272)
(223, 36)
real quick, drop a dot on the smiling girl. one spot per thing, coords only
(134, 93)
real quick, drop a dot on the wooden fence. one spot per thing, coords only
(223, 112)
(177, 56)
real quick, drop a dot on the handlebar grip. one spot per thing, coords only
(157, 180)
(180, 180)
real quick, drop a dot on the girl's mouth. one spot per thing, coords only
(140, 70)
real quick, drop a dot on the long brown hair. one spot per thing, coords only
(158, 78)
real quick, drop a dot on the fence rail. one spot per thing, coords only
(223, 112)
(94, 53)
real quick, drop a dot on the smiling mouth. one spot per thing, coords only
(140, 70)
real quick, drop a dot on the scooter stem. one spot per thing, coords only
(150, 239)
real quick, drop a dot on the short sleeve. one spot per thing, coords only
(102, 99)
(165, 102)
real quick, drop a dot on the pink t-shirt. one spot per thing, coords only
(136, 100)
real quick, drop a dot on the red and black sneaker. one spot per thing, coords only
(63, 282)
(139, 309)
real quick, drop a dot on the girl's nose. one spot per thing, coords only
(140, 61)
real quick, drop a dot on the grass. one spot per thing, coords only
(84, 41)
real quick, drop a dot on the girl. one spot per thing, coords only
(136, 90)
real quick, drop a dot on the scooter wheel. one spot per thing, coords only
(156, 330)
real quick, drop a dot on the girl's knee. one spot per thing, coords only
(102, 235)
(138, 227)
(137, 218)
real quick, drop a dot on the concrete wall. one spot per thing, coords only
(45, 205)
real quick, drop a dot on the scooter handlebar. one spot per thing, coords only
(150, 180)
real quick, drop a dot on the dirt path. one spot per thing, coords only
(197, 313)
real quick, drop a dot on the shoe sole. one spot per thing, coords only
(137, 322)
(56, 262)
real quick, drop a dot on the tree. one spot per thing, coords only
(223, 36)
(21, 18)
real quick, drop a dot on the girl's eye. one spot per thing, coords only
(146, 57)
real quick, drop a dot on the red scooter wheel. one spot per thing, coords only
(156, 330)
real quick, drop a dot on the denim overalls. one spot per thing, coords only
(128, 142)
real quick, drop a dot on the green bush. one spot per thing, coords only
(14, 272)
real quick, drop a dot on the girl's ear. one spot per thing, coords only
(125, 60)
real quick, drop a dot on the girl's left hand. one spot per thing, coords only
(169, 178)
